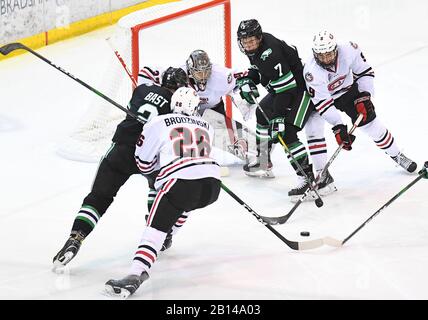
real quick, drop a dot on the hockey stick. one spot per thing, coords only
(283, 219)
(318, 201)
(339, 243)
(122, 62)
(6, 49)
(422, 174)
(332, 242)
(295, 245)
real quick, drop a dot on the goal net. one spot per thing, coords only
(158, 36)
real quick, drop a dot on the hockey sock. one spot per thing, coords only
(147, 252)
(382, 137)
(179, 223)
(86, 220)
(262, 134)
(318, 152)
(298, 150)
(151, 198)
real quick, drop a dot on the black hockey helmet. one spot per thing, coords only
(174, 78)
(199, 68)
(246, 29)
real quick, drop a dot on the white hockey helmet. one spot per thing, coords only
(186, 101)
(324, 48)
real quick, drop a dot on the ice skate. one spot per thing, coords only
(326, 185)
(68, 251)
(405, 163)
(125, 287)
(303, 184)
(261, 167)
(168, 242)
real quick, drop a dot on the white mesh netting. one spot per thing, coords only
(163, 45)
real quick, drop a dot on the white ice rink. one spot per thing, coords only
(223, 252)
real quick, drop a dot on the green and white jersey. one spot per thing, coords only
(277, 66)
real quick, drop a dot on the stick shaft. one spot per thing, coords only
(15, 46)
(283, 219)
(383, 207)
(299, 167)
(293, 245)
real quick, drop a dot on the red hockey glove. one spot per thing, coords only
(364, 105)
(342, 136)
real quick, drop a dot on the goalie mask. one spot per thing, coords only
(199, 67)
(249, 36)
(185, 101)
(324, 48)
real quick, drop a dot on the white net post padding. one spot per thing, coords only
(164, 44)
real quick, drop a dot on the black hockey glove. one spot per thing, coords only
(247, 89)
(342, 136)
(364, 105)
(277, 126)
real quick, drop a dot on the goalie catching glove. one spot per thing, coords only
(247, 89)
(277, 126)
(342, 136)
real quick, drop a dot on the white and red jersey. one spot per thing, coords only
(220, 83)
(150, 75)
(177, 145)
(324, 86)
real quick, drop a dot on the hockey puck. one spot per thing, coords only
(305, 233)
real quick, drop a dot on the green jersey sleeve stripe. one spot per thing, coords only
(287, 87)
(282, 80)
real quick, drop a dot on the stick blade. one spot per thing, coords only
(332, 242)
(8, 48)
(311, 244)
(270, 220)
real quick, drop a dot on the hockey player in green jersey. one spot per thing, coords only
(277, 66)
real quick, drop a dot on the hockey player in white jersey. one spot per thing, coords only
(338, 77)
(178, 145)
(118, 164)
(212, 82)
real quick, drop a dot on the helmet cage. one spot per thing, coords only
(199, 67)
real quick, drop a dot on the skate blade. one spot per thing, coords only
(260, 174)
(310, 197)
(328, 189)
(58, 266)
(116, 292)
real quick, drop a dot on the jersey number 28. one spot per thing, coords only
(190, 143)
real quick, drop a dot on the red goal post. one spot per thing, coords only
(227, 36)
(159, 36)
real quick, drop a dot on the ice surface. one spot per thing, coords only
(223, 252)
